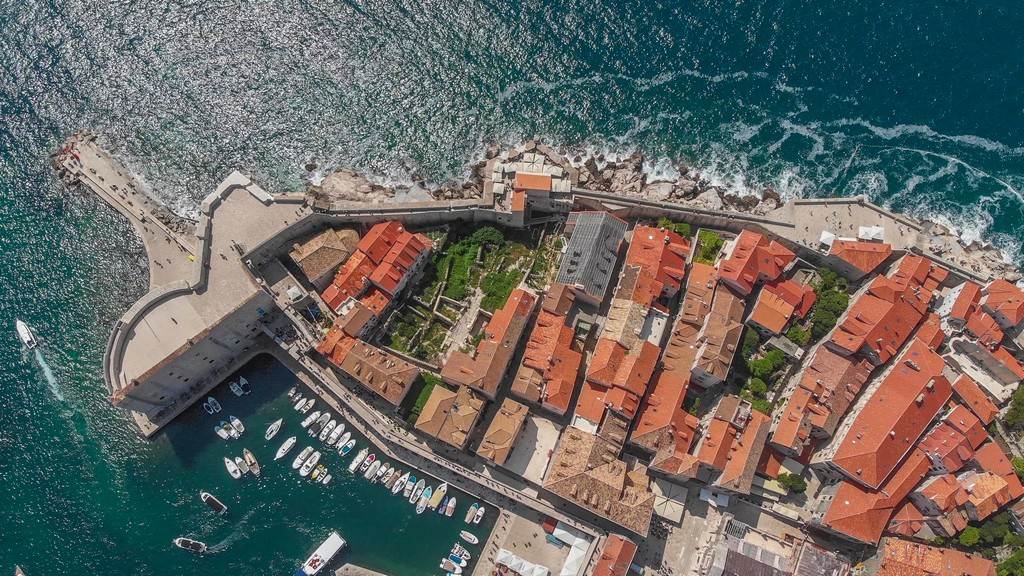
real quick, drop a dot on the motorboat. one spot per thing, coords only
(382, 473)
(207, 407)
(347, 446)
(244, 385)
(326, 480)
(358, 459)
(293, 391)
(366, 463)
(322, 555)
(232, 468)
(471, 513)
(310, 464)
(458, 560)
(449, 508)
(372, 469)
(307, 406)
(438, 496)
(328, 429)
(190, 545)
(399, 485)
(461, 552)
(479, 515)
(298, 402)
(18, 571)
(323, 474)
(310, 419)
(236, 389)
(410, 485)
(469, 537)
(391, 478)
(450, 567)
(213, 403)
(417, 491)
(230, 430)
(421, 505)
(317, 426)
(440, 507)
(274, 428)
(250, 459)
(316, 473)
(297, 463)
(221, 432)
(237, 424)
(339, 429)
(211, 501)
(240, 462)
(286, 447)
(25, 334)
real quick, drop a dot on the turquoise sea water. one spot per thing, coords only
(916, 104)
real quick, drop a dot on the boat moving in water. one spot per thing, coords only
(251, 461)
(297, 463)
(274, 428)
(233, 469)
(322, 555)
(25, 334)
(285, 448)
(211, 501)
(190, 545)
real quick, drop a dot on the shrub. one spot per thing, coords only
(799, 336)
(970, 537)
(758, 387)
(793, 482)
(761, 405)
(1018, 465)
(710, 243)
(488, 235)
(681, 228)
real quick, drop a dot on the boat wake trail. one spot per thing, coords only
(48, 374)
(236, 534)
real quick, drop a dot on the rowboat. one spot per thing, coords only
(211, 501)
(366, 463)
(301, 458)
(308, 466)
(240, 462)
(207, 407)
(416, 491)
(435, 499)
(471, 512)
(190, 545)
(310, 419)
(237, 424)
(250, 459)
(424, 500)
(213, 403)
(285, 448)
(372, 468)
(469, 537)
(399, 485)
(232, 468)
(346, 447)
(450, 508)
(274, 428)
(358, 459)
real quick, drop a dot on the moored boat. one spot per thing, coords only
(435, 499)
(25, 334)
(461, 552)
(18, 571)
(450, 567)
(421, 505)
(294, 390)
(327, 480)
(308, 466)
(308, 420)
(230, 430)
(298, 402)
(400, 483)
(358, 459)
(371, 469)
(317, 426)
(322, 555)
(366, 463)
(410, 489)
(479, 515)
(379, 476)
(301, 458)
(324, 475)
(346, 447)
(316, 473)
(244, 385)
(213, 403)
(274, 429)
(391, 478)
(190, 545)
(469, 537)
(457, 560)
(237, 424)
(207, 407)
(221, 432)
(336, 434)
(232, 468)
(440, 507)
(307, 406)
(449, 508)
(251, 461)
(285, 448)
(212, 501)
(235, 388)
(472, 512)
(328, 429)
(240, 462)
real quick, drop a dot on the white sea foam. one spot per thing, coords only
(900, 130)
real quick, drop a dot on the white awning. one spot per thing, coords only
(669, 500)
(871, 233)
(827, 238)
(517, 564)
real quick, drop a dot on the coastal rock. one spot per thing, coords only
(660, 191)
(346, 185)
(492, 151)
(708, 200)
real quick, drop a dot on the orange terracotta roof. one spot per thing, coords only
(375, 299)
(772, 312)
(549, 352)
(800, 296)
(662, 253)
(590, 405)
(881, 319)
(662, 425)
(616, 557)
(986, 494)
(699, 292)
(895, 416)
(336, 345)
(393, 267)
(945, 492)
(964, 421)
(624, 373)
(529, 181)
(752, 259)
(1007, 359)
(991, 457)
(905, 558)
(906, 521)
(865, 256)
(931, 332)
(353, 277)
(721, 333)
(1006, 298)
(948, 445)
(380, 239)
(518, 201)
(718, 440)
(559, 299)
(975, 398)
(966, 300)
(984, 328)
(744, 454)
(382, 372)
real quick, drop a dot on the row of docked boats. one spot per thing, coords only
(231, 429)
(456, 560)
(242, 465)
(308, 464)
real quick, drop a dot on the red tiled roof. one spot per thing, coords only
(754, 258)
(954, 440)
(895, 416)
(771, 312)
(625, 376)
(616, 557)
(662, 253)
(528, 181)
(984, 328)
(1005, 297)
(1007, 359)
(404, 252)
(966, 300)
(375, 299)
(699, 290)
(975, 398)
(931, 332)
(718, 440)
(518, 201)
(865, 256)
(549, 352)
(745, 452)
(907, 520)
(380, 239)
(351, 280)
(904, 558)
(991, 457)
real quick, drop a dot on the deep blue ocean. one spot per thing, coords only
(918, 105)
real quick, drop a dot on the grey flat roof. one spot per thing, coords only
(593, 248)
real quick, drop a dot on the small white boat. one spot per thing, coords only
(190, 545)
(326, 480)
(310, 464)
(274, 428)
(366, 463)
(235, 389)
(316, 473)
(421, 505)
(307, 406)
(244, 385)
(207, 407)
(457, 560)
(358, 459)
(25, 334)
(237, 424)
(213, 403)
(379, 476)
(479, 515)
(438, 496)
(240, 462)
(461, 552)
(450, 508)
(297, 463)
(323, 474)
(232, 468)
(310, 419)
(440, 507)
(347, 446)
(285, 448)
(298, 402)
(339, 429)
(471, 513)
(371, 469)
(293, 391)
(323, 555)
(251, 461)
(211, 501)
(410, 485)
(400, 484)
(221, 432)
(328, 429)
(450, 567)
(469, 537)
(230, 430)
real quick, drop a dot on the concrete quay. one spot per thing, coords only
(353, 570)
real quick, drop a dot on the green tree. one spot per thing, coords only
(828, 279)
(794, 482)
(758, 387)
(823, 322)
(488, 235)
(710, 244)
(798, 335)
(970, 537)
(751, 342)
(1012, 566)
(761, 405)
(1018, 466)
